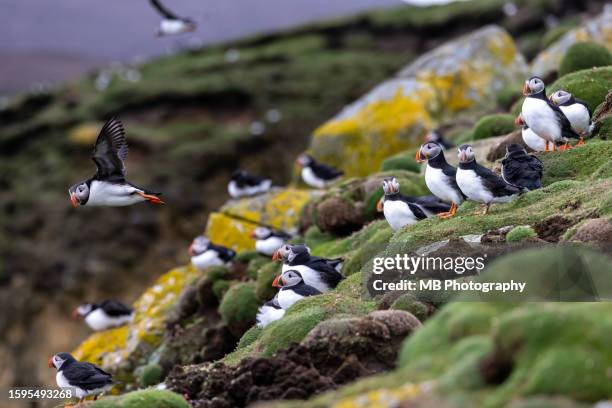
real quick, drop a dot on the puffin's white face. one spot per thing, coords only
(532, 86)
(282, 253)
(56, 361)
(560, 97)
(428, 151)
(84, 309)
(304, 160)
(290, 278)
(466, 153)
(261, 233)
(199, 245)
(79, 193)
(391, 186)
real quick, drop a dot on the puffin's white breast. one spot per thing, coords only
(99, 320)
(269, 245)
(438, 184)
(397, 213)
(311, 179)
(578, 115)
(534, 141)
(207, 259)
(541, 119)
(268, 314)
(102, 193)
(287, 297)
(471, 185)
(168, 26)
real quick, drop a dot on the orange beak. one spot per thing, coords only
(75, 313)
(275, 282)
(526, 89)
(276, 256)
(191, 249)
(73, 200)
(462, 155)
(50, 362)
(518, 121)
(379, 205)
(420, 157)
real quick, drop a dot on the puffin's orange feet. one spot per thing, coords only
(565, 147)
(450, 213)
(151, 198)
(580, 142)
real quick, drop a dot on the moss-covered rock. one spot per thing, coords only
(239, 307)
(402, 161)
(265, 275)
(520, 233)
(584, 55)
(149, 375)
(579, 163)
(148, 398)
(591, 85)
(493, 125)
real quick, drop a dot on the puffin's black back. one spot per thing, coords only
(522, 170)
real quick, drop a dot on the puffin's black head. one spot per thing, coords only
(239, 175)
(428, 151)
(83, 310)
(391, 186)
(466, 153)
(288, 279)
(79, 193)
(533, 85)
(287, 253)
(198, 245)
(261, 233)
(58, 360)
(304, 160)
(561, 98)
(515, 148)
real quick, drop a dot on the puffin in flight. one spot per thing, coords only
(480, 184)
(104, 315)
(205, 254)
(520, 169)
(440, 177)
(108, 187)
(546, 119)
(315, 174)
(171, 23)
(269, 312)
(244, 184)
(401, 210)
(268, 241)
(292, 288)
(577, 112)
(320, 273)
(85, 378)
(436, 136)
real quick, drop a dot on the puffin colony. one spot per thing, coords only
(547, 125)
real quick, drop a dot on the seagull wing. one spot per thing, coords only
(163, 10)
(110, 151)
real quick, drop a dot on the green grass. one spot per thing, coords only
(148, 398)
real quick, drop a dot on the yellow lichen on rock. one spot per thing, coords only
(102, 348)
(381, 398)
(231, 232)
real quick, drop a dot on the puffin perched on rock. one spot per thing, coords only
(108, 187)
(436, 136)
(205, 254)
(268, 241)
(520, 169)
(401, 210)
(269, 312)
(577, 112)
(320, 273)
(171, 23)
(315, 174)
(479, 183)
(244, 184)
(85, 378)
(546, 119)
(440, 177)
(104, 315)
(293, 287)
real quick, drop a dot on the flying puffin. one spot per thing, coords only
(436, 136)
(401, 210)
(533, 141)
(546, 119)
(315, 174)
(205, 254)
(104, 315)
(171, 23)
(268, 241)
(440, 177)
(108, 187)
(576, 110)
(244, 184)
(85, 378)
(479, 183)
(269, 312)
(520, 169)
(320, 273)
(293, 287)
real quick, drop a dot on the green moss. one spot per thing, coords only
(249, 337)
(216, 273)
(149, 375)
(246, 256)
(402, 161)
(508, 95)
(239, 304)
(409, 303)
(604, 130)
(493, 125)
(518, 234)
(591, 85)
(265, 275)
(148, 398)
(584, 55)
(578, 163)
(556, 33)
(255, 265)
(220, 287)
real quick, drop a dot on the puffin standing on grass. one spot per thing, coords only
(104, 315)
(269, 312)
(401, 210)
(440, 177)
(205, 254)
(85, 378)
(268, 241)
(244, 184)
(108, 187)
(543, 117)
(520, 169)
(293, 287)
(320, 273)
(576, 111)
(315, 174)
(480, 184)
(171, 23)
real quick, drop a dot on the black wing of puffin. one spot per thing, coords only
(566, 126)
(87, 376)
(114, 308)
(110, 151)
(163, 10)
(497, 185)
